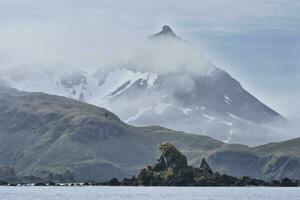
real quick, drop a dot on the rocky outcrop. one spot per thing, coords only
(204, 165)
(170, 158)
(171, 169)
(165, 32)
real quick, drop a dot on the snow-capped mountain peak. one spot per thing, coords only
(168, 83)
(165, 32)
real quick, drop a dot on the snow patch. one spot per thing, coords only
(230, 136)
(226, 123)
(114, 81)
(141, 111)
(152, 77)
(234, 116)
(69, 83)
(227, 99)
(185, 110)
(159, 109)
(211, 118)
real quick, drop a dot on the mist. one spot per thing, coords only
(62, 36)
(171, 55)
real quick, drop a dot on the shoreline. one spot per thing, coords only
(137, 186)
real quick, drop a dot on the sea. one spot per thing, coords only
(147, 193)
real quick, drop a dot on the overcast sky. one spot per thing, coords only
(257, 42)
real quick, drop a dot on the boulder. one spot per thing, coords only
(286, 182)
(3, 183)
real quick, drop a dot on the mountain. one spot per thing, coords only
(270, 161)
(166, 31)
(168, 83)
(62, 139)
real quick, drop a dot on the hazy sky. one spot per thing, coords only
(257, 42)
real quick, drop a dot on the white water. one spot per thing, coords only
(148, 193)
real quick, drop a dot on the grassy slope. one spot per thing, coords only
(286, 148)
(42, 134)
(270, 161)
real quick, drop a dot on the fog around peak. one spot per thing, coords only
(257, 41)
(169, 54)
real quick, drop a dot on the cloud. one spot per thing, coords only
(168, 55)
(89, 32)
(94, 33)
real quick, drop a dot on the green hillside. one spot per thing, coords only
(61, 139)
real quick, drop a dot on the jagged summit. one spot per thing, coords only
(166, 31)
(167, 82)
(204, 165)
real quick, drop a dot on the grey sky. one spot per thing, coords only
(256, 41)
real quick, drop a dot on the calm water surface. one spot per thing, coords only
(153, 193)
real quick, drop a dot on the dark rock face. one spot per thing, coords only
(170, 158)
(204, 165)
(3, 183)
(286, 182)
(166, 31)
(39, 184)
